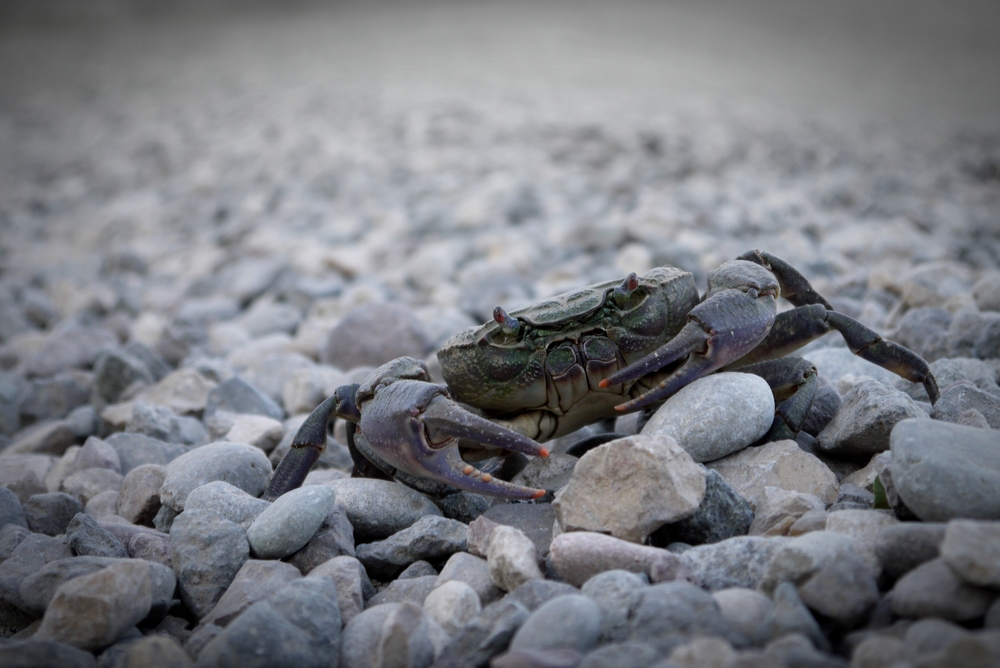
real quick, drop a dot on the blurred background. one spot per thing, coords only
(185, 162)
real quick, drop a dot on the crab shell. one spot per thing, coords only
(565, 346)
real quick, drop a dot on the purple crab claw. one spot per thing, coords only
(415, 427)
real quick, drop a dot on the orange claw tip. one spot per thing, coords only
(543, 452)
(604, 383)
(539, 493)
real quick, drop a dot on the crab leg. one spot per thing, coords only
(416, 428)
(720, 330)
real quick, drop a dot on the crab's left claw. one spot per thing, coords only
(415, 427)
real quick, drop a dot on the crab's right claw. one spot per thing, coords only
(415, 427)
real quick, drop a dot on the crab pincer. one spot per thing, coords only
(416, 427)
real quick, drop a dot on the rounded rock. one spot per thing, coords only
(566, 622)
(242, 466)
(290, 521)
(452, 605)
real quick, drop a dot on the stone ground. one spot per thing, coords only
(213, 192)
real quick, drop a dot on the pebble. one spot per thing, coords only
(50, 514)
(208, 550)
(139, 496)
(351, 581)
(716, 415)
(92, 611)
(745, 609)
(548, 473)
(630, 487)
(156, 651)
(256, 580)
(704, 651)
(10, 509)
(511, 558)
(779, 509)
(242, 466)
(335, 537)
(933, 590)
(51, 437)
(37, 589)
(238, 396)
(741, 561)
(394, 634)
(580, 555)
(405, 590)
(290, 521)
(863, 527)
(902, 547)
(163, 424)
(88, 483)
(34, 652)
(53, 398)
(961, 397)
(297, 625)
(309, 386)
(722, 514)
(151, 548)
(473, 571)
(971, 549)
(616, 593)
(135, 450)
(417, 569)
(24, 474)
(535, 520)
(95, 453)
(256, 430)
(669, 612)
(378, 509)
(116, 370)
(943, 470)
(534, 593)
(431, 537)
(865, 420)
(373, 334)
(231, 502)
(566, 622)
(452, 604)
(484, 636)
(88, 538)
(781, 464)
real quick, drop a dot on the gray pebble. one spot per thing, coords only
(38, 588)
(84, 421)
(961, 397)
(31, 552)
(32, 653)
(334, 538)
(902, 547)
(25, 474)
(533, 594)
(394, 634)
(51, 513)
(86, 484)
(238, 396)
(485, 636)
(227, 500)
(151, 548)
(289, 523)
(135, 450)
(10, 509)
(430, 537)
(378, 508)
(669, 612)
(722, 514)
(408, 590)
(740, 561)
(351, 580)
(865, 420)
(924, 330)
(622, 655)
(617, 594)
(71, 347)
(88, 538)
(465, 506)
(256, 580)
(789, 615)
(933, 590)
(139, 497)
(242, 466)
(988, 341)
(473, 571)
(208, 550)
(96, 453)
(534, 520)
(53, 398)
(417, 569)
(971, 548)
(51, 437)
(163, 424)
(373, 334)
(116, 370)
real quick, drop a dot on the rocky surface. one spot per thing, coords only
(211, 221)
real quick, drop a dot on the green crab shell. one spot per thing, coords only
(503, 374)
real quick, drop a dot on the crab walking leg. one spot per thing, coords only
(793, 329)
(415, 427)
(720, 330)
(787, 375)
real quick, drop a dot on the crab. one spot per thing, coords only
(547, 370)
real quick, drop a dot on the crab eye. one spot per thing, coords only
(508, 323)
(624, 291)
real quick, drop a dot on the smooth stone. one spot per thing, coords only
(933, 590)
(814, 520)
(116, 370)
(208, 550)
(961, 397)
(780, 464)
(139, 496)
(269, 373)
(408, 590)
(802, 557)
(25, 474)
(548, 473)
(87, 484)
(902, 547)
(512, 559)
(431, 537)
(309, 386)
(953, 370)
(863, 527)
(971, 548)
(163, 424)
(865, 420)
(151, 548)
(84, 422)
(394, 634)
(840, 590)
(334, 538)
(11, 511)
(135, 450)
(290, 521)
(256, 430)
(669, 613)
(94, 610)
(373, 334)
(298, 625)
(231, 502)
(834, 363)
(630, 487)
(740, 561)
(535, 520)
(622, 655)
(43, 653)
(378, 509)
(351, 580)
(580, 555)
(156, 651)
(70, 347)
(238, 396)
(789, 615)
(38, 588)
(465, 506)
(538, 658)
(480, 532)
(51, 437)
(485, 636)
(256, 580)
(184, 391)
(86, 537)
(566, 622)
(30, 553)
(943, 471)
(779, 509)
(96, 453)
(616, 593)
(473, 571)
(716, 415)
(533, 594)
(452, 605)
(744, 608)
(703, 651)
(242, 466)
(417, 569)
(722, 514)
(50, 514)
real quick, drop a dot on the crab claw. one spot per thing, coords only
(415, 427)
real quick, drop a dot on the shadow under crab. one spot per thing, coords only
(579, 358)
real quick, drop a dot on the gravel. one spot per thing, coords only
(213, 219)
